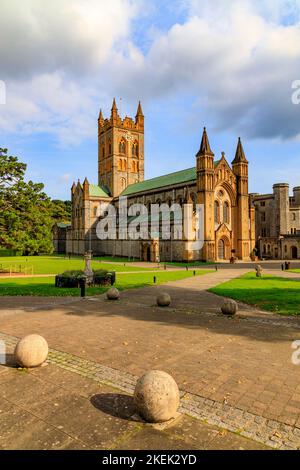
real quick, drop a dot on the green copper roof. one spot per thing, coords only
(161, 181)
(62, 225)
(171, 179)
(97, 191)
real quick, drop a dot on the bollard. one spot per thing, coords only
(194, 273)
(154, 279)
(216, 268)
(282, 267)
(165, 267)
(82, 288)
(187, 268)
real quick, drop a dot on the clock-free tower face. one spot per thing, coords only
(121, 155)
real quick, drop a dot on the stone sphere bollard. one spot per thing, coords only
(113, 294)
(31, 351)
(229, 307)
(163, 300)
(156, 397)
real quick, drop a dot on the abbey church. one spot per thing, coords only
(222, 189)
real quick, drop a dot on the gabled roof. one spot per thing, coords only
(171, 179)
(98, 191)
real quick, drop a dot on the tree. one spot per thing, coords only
(25, 210)
(61, 210)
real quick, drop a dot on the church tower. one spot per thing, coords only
(205, 191)
(120, 150)
(240, 169)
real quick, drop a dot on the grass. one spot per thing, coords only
(271, 293)
(57, 264)
(44, 286)
(294, 271)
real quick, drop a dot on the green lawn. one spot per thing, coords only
(44, 286)
(57, 264)
(294, 271)
(271, 293)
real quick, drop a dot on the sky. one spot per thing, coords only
(228, 65)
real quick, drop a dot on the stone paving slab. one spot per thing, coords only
(272, 433)
(242, 363)
(86, 415)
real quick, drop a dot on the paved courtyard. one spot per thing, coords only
(234, 373)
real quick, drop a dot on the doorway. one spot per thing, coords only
(294, 252)
(221, 250)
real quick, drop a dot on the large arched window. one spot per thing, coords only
(122, 146)
(217, 212)
(226, 217)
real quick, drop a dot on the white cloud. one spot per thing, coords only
(239, 63)
(76, 36)
(62, 59)
(53, 57)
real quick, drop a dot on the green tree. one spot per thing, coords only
(61, 211)
(25, 210)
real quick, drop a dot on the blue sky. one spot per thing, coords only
(228, 67)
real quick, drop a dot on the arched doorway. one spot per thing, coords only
(221, 249)
(294, 252)
(148, 253)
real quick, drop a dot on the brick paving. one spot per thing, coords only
(53, 408)
(269, 432)
(233, 373)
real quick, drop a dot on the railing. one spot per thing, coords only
(16, 269)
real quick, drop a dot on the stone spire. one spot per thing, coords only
(86, 188)
(139, 110)
(139, 118)
(114, 105)
(114, 112)
(101, 119)
(240, 154)
(205, 147)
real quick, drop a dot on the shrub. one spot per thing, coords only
(72, 278)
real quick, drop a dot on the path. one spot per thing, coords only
(51, 408)
(237, 371)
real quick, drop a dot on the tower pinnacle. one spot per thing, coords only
(205, 147)
(240, 154)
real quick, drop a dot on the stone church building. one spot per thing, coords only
(278, 223)
(229, 215)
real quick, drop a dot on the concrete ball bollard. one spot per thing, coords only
(113, 294)
(31, 351)
(163, 300)
(156, 397)
(229, 307)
